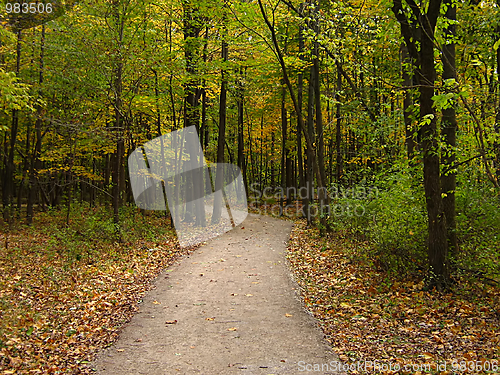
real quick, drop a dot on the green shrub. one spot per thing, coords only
(392, 216)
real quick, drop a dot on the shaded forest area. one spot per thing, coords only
(376, 121)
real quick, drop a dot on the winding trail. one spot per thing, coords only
(230, 307)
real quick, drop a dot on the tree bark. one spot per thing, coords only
(449, 129)
(323, 197)
(219, 178)
(35, 159)
(338, 134)
(119, 21)
(284, 153)
(406, 64)
(8, 181)
(437, 237)
(192, 28)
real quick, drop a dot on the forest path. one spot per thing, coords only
(236, 310)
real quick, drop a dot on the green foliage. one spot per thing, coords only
(13, 94)
(92, 228)
(393, 217)
(478, 225)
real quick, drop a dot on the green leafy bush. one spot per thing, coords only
(392, 216)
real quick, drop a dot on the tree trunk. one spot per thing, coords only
(118, 112)
(219, 179)
(35, 160)
(281, 61)
(497, 115)
(449, 134)
(437, 245)
(192, 29)
(8, 181)
(241, 141)
(300, 88)
(406, 68)
(323, 197)
(309, 150)
(426, 76)
(338, 133)
(284, 156)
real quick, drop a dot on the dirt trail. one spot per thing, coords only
(235, 309)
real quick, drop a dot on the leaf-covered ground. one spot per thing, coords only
(368, 315)
(58, 309)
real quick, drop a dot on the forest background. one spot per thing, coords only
(391, 107)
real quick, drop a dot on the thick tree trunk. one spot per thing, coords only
(437, 242)
(428, 134)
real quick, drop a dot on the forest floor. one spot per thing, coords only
(66, 288)
(65, 295)
(389, 321)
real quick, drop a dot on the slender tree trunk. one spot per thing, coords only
(300, 88)
(284, 136)
(497, 116)
(35, 160)
(289, 170)
(309, 150)
(8, 181)
(449, 129)
(219, 178)
(204, 127)
(192, 29)
(323, 197)
(118, 123)
(272, 171)
(406, 68)
(241, 140)
(338, 130)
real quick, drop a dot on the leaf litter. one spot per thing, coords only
(367, 314)
(57, 314)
